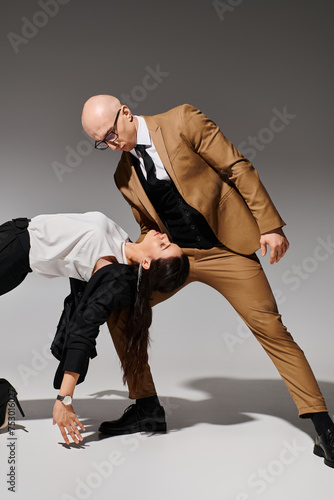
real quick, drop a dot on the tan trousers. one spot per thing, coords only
(241, 280)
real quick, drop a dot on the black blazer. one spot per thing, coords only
(88, 306)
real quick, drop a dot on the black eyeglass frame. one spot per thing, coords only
(105, 141)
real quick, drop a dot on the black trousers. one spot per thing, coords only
(14, 254)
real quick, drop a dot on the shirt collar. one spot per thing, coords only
(143, 135)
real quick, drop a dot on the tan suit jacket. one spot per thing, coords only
(210, 174)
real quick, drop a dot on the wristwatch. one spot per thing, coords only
(66, 400)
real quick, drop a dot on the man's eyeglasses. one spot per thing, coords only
(110, 137)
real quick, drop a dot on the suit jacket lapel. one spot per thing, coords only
(138, 192)
(134, 184)
(159, 143)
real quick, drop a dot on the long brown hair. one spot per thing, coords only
(164, 275)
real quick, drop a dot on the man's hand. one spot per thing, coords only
(277, 242)
(66, 419)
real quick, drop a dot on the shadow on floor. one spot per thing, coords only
(225, 402)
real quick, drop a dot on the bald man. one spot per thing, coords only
(182, 176)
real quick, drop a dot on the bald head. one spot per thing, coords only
(97, 114)
(100, 116)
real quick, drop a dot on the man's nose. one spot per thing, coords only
(112, 145)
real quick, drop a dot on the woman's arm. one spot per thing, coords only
(64, 416)
(110, 292)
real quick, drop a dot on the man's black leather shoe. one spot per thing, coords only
(324, 446)
(136, 419)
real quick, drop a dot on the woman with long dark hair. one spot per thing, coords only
(107, 273)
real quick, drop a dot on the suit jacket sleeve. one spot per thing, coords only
(70, 304)
(98, 302)
(206, 139)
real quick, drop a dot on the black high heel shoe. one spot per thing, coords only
(7, 393)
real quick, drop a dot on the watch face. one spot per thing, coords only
(67, 400)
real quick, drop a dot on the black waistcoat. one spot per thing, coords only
(187, 226)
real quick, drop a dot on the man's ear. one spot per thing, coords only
(127, 112)
(146, 263)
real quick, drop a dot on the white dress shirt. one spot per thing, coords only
(143, 137)
(71, 244)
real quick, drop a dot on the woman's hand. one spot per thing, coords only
(67, 421)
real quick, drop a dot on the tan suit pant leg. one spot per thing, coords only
(242, 281)
(117, 326)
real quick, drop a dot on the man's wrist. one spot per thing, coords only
(278, 230)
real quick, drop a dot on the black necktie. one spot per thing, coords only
(148, 163)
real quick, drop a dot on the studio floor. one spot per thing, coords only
(214, 449)
(233, 430)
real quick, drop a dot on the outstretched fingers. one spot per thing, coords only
(68, 422)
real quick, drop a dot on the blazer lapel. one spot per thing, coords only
(159, 143)
(138, 192)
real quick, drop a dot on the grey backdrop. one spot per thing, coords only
(243, 63)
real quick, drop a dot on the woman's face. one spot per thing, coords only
(157, 246)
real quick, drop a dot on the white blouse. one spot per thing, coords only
(70, 244)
